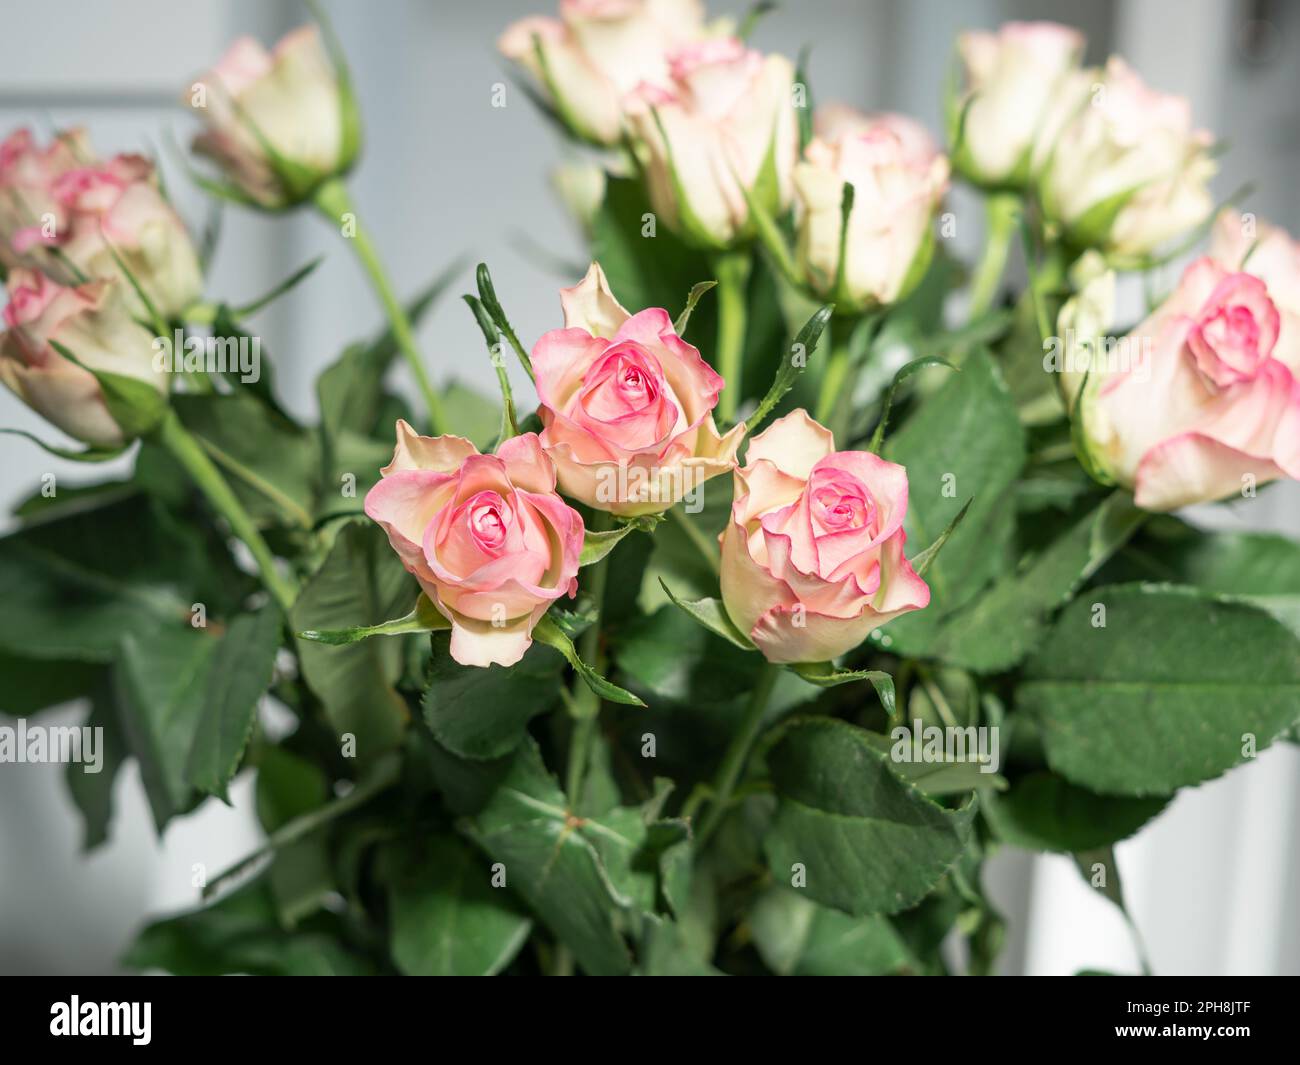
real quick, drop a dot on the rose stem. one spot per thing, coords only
(190, 454)
(585, 703)
(733, 762)
(732, 268)
(1000, 211)
(333, 201)
(831, 400)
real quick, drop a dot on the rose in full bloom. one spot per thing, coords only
(1202, 400)
(486, 536)
(598, 51)
(812, 558)
(63, 210)
(898, 178)
(95, 324)
(1120, 167)
(279, 123)
(1012, 77)
(725, 124)
(627, 405)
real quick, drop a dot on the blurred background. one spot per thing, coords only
(446, 174)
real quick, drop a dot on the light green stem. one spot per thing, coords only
(1001, 209)
(585, 703)
(732, 268)
(832, 403)
(191, 455)
(733, 761)
(334, 202)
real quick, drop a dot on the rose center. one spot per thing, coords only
(489, 521)
(837, 509)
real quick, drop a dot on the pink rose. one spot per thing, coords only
(1207, 401)
(65, 199)
(627, 405)
(486, 536)
(812, 559)
(597, 52)
(94, 323)
(1242, 242)
(899, 179)
(290, 99)
(724, 125)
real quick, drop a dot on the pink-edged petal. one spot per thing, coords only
(793, 444)
(590, 305)
(415, 452)
(527, 464)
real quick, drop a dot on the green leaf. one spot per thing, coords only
(805, 343)
(75, 583)
(88, 454)
(445, 917)
(1045, 813)
(692, 298)
(596, 545)
(1170, 692)
(287, 285)
(551, 861)
(487, 293)
(796, 937)
(1010, 619)
(483, 713)
(93, 792)
(425, 617)
(549, 633)
(241, 934)
(240, 672)
(491, 337)
(361, 580)
(30, 685)
(867, 841)
(964, 442)
(713, 616)
(825, 675)
(903, 373)
(923, 561)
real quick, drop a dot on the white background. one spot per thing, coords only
(445, 174)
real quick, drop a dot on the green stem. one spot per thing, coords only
(832, 403)
(733, 761)
(584, 703)
(708, 548)
(190, 454)
(1001, 210)
(333, 201)
(732, 268)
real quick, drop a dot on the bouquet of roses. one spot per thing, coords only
(814, 565)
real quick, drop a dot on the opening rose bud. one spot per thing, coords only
(1119, 166)
(627, 405)
(279, 123)
(1208, 405)
(1012, 79)
(598, 51)
(486, 536)
(812, 558)
(63, 210)
(95, 324)
(724, 125)
(899, 179)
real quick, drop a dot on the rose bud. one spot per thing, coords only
(627, 405)
(1200, 402)
(812, 559)
(117, 210)
(29, 212)
(1012, 76)
(1120, 167)
(898, 179)
(486, 536)
(279, 123)
(587, 60)
(725, 124)
(94, 323)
